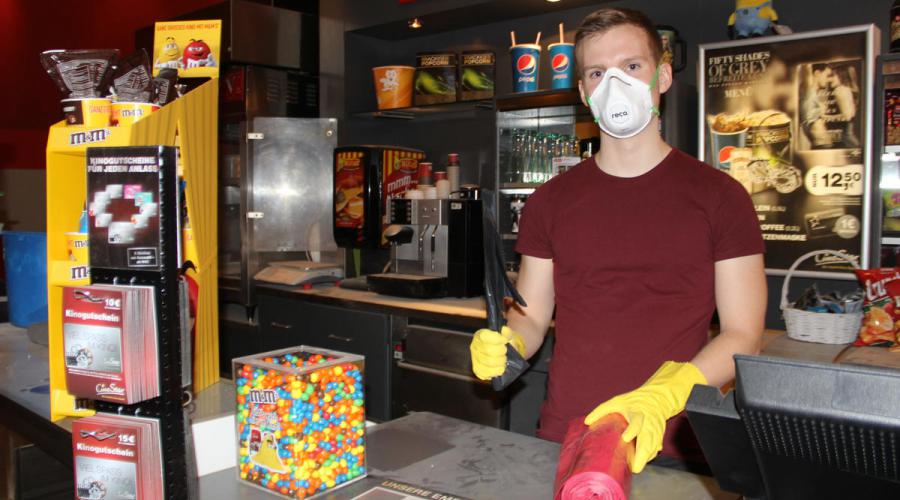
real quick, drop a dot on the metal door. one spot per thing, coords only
(288, 191)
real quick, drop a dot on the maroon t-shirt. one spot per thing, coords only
(633, 274)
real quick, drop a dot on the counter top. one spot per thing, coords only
(25, 394)
(422, 449)
(24, 370)
(460, 458)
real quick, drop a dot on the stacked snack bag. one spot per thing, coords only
(99, 89)
(882, 296)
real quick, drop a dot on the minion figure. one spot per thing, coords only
(752, 18)
(169, 55)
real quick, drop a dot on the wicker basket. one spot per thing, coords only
(825, 328)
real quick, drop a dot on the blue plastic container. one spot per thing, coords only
(25, 260)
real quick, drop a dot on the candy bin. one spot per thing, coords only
(301, 420)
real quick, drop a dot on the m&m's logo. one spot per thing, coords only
(526, 64)
(262, 397)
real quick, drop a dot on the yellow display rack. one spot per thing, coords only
(190, 122)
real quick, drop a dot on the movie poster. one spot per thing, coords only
(788, 117)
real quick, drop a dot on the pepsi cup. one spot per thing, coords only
(562, 65)
(526, 65)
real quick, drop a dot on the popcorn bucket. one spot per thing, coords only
(393, 86)
(90, 112)
(126, 113)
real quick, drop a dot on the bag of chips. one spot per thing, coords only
(879, 322)
(893, 290)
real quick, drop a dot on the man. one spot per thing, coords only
(635, 248)
(843, 116)
(815, 106)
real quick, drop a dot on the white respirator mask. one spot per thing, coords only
(621, 104)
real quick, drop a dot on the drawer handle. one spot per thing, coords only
(338, 337)
(275, 324)
(439, 373)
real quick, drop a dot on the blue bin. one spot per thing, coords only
(25, 260)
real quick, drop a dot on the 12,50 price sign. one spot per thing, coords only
(846, 180)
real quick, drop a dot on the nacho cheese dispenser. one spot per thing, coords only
(365, 178)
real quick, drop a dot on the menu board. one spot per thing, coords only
(789, 118)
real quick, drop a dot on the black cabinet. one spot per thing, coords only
(236, 339)
(288, 322)
(434, 374)
(429, 371)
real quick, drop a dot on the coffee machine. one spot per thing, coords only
(436, 249)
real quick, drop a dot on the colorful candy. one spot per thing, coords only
(300, 420)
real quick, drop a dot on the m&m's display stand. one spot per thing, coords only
(190, 124)
(301, 420)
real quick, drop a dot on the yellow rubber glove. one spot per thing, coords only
(648, 407)
(488, 350)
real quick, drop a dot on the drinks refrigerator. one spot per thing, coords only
(540, 133)
(887, 155)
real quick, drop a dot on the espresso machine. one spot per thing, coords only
(436, 249)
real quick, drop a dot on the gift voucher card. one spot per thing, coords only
(94, 348)
(107, 479)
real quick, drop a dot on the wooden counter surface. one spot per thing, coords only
(472, 307)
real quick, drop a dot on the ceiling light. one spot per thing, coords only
(552, 1)
(414, 23)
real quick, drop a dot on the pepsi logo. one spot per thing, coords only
(560, 63)
(725, 155)
(526, 64)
